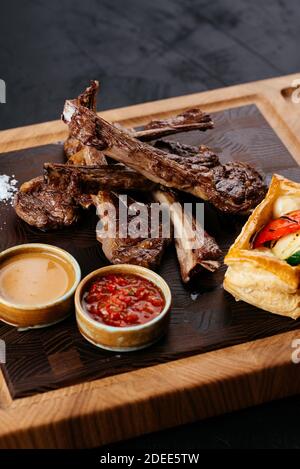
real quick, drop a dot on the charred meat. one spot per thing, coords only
(45, 206)
(56, 205)
(118, 245)
(195, 248)
(232, 188)
(88, 100)
(192, 119)
(202, 154)
(91, 179)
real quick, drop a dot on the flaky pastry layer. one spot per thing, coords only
(256, 275)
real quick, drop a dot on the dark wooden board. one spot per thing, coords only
(203, 317)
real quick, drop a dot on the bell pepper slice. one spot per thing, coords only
(275, 229)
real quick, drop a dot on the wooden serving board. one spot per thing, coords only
(218, 356)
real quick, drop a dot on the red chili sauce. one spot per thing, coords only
(122, 300)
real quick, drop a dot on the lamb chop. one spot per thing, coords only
(192, 119)
(55, 202)
(87, 99)
(190, 260)
(141, 251)
(205, 157)
(145, 251)
(115, 177)
(195, 248)
(45, 206)
(233, 187)
(92, 178)
(120, 248)
(52, 206)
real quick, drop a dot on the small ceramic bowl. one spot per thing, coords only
(40, 315)
(122, 339)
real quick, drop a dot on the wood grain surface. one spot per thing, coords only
(181, 390)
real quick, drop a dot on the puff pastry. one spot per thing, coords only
(257, 276)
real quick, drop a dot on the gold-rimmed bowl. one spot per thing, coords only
(45, 314)
(122, 339)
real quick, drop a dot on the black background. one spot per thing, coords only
(144, 50)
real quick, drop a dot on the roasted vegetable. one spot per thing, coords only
(276, 229)
(294, 259)
(285, 204)
(287, 246)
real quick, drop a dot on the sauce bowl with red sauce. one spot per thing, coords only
(122, 307)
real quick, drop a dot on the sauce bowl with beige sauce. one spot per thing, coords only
(37, 284)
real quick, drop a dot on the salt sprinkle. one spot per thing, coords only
(194, 296)
(7, 188)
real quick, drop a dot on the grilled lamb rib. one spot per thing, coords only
(192, 119)
(233, 187)
(204, 156)
(86, 99)
(54, 201)
(187, 232)
(91, 179)
(146, 251)
(45, 205)
(51, 206)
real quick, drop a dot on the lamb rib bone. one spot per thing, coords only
(192, 119)
(91, 179)
(87, 99)
(233, 187)
(188, 232)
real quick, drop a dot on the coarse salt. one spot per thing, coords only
(8, 188)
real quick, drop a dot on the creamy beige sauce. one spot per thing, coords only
(34, 278)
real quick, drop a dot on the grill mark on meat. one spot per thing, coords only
(151, 162)
(90, 179)
(144, 251)
(147, 251)
(202, 154)
(171, 170)
(45, 206)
